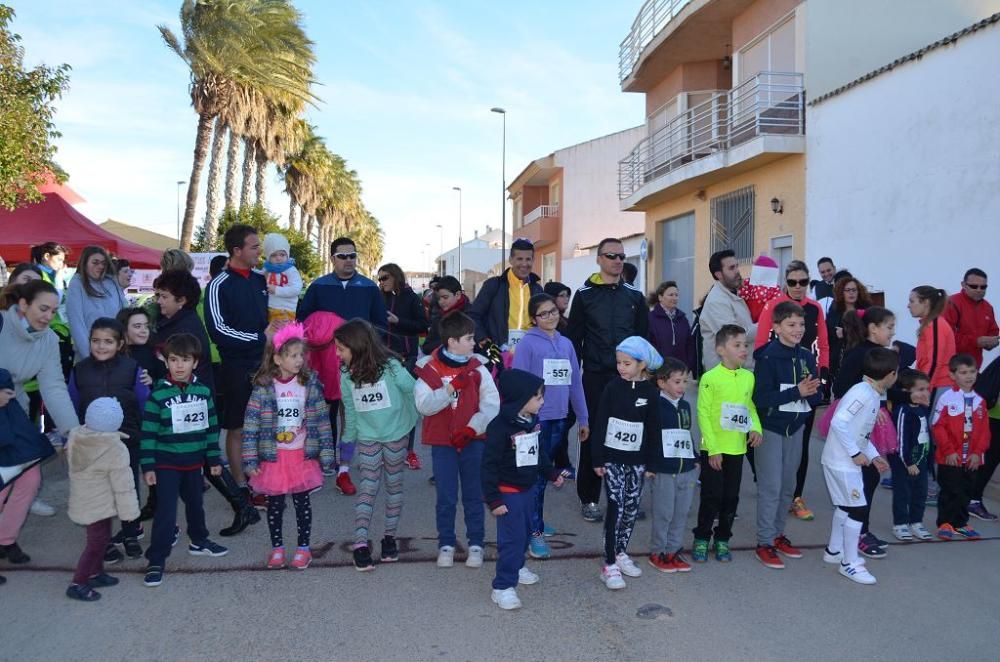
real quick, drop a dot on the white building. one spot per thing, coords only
(481, 256)
(903, 157)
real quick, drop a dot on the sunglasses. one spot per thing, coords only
(346, 256)
(975, 287)
(802, 282)
(613, 256)
(383, 278)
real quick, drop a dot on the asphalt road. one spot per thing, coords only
(932, 601)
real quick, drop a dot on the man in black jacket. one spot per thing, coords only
(495, 319)
(605, 311)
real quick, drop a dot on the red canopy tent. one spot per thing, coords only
(55, 219)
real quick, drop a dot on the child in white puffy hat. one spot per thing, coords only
(284, 283)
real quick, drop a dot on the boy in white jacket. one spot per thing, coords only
(284, 283)
(848, 448)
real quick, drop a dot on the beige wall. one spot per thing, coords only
(783, 179)
(849, 38)
(688, 77)
(757, 18)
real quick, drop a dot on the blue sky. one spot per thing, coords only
(406, 87)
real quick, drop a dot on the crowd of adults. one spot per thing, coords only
(47, 321)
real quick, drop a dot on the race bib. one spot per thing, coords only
(623, 435)
(290, 413)
(678, 444)
(923, 437)
(526, 449)
(189, 416)
(556, 372)
(514, 336)
(454, 396)
(372, 397)
(967, 427)
(735, 418)
(796, 406)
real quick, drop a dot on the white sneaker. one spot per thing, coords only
(902, 532)
(506, 599)
(918, 530)
(611, 575)
(475, 557)
(832, 557)
(446, 557)
(857, 572)
(526, 577)
(42, 509)
(627, 566)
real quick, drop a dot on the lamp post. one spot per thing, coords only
(180, 183)
(503, 185)
(441, 247)
(427, 251)
(459, 189)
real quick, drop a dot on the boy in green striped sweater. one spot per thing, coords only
(179, 433)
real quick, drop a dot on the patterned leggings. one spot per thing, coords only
(623, 486)
(303, 517)
(376, 460)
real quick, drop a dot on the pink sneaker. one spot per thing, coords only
(302, 559)
(276, 560)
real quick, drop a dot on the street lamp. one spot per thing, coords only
(441, 246)
(503, 185)
(459, 189)
(427, 251)
(180, 183)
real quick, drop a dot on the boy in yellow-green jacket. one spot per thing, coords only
(727, 419)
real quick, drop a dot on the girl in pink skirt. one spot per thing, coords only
(286, 439)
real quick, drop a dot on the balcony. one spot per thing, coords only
(541, 225)
(653, 17)
(760, 120)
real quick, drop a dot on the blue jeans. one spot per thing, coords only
(512, 538)
(550, 439)
(450, 467)
(909, 493)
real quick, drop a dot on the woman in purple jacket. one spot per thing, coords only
(550, 355)
(669, 330)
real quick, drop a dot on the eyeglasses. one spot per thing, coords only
(850, 290)
(545, 314)
(383, 277)
(802, 282)
(613, 256)
(346, 256)
(976, 287)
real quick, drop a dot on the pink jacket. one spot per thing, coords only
(322, 356)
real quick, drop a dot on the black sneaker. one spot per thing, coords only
(102, 580)
(120, 537)
(363, 559)
(207, 548)
(113, 555)
(154, 576)
(390, 550)
(133, 549)
(13, 553)
(82, 592)
(177, 536)
(147, 512)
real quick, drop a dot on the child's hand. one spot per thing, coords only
(913, 470)
(6, 395)
(270, 289)
(392, 318)
(145, 378)
(756, 439)
(216, 470)
(650, 475)
(584, 433)
(860, 460)
(558, 482)
(499, 511)
(951, 460)
(150, 478)
(881, 464)
(599, 471)
(974, 461)
(715, 461)
(809, 386)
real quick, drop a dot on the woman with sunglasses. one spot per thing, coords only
(815, 340)
(405, 312)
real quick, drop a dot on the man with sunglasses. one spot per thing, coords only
(605, 311)
(347, 294)
(500, 310)
(972, 318)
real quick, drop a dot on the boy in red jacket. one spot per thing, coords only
(457, 397)
(961, 435)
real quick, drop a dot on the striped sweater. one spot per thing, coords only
(179, 428)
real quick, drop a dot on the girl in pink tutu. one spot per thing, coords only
(286, 437)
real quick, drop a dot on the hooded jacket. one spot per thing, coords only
(409, 309)
(322, 355)
(20, 441)
(101, 484)
(433, 339)
(777, 372)
(491, 308)
(601, 316)
(533, 352)
(474, 406)
(671, 336)
(185, 320)
(673, 417)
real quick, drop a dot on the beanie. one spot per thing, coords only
(517, 387)
(275, 242)
(639, 349)
(104, 415)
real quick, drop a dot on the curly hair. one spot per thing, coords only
(864, 298)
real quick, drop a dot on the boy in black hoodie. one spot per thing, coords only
(512, 462)
(786, 389)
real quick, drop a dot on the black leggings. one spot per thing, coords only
(303, 517)
(856, 513)
(800, 477)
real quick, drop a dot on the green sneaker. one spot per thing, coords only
(699, 552)
(722, 552)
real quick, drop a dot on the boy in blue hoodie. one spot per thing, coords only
(786, 389)
(512, 462)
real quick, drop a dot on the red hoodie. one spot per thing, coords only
(322, 354)
(953, 426)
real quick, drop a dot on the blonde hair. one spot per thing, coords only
(176, 259)
(269, 370)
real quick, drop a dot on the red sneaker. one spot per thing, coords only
(345, 486)
(660, 562)
(678, 562)
(769, 557)
(412, 461)
(259, 501)
(784, 545)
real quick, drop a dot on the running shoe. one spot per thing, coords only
(699, 551)
(527, 577)
(506, 598)
(967, 532)
(918, 531)
(768, 555)
(627, 565)
(902, 532)
(978, 510)
(857, 572)
(678, 562)
(611, 575)
(946, 532)
(276, 559)
(868, 546)
(301, 558)
(363, 561)
(345, 486)
(800, 511)
(783, 545)
(412, 461)
(660, 562)
(207, 548)
(538, 548)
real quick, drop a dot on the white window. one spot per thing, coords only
(773, 51)
(518, 219)
(548, 267)
(554, 193)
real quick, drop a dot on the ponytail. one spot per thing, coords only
(856, 325)
(938, 298)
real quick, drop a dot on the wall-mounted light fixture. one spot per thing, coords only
(777, 207)
(701, 195)
(727, 62)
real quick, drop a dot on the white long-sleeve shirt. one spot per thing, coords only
(287, 287)
(851, 428)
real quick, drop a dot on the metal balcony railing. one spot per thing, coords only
(770, 103)
(653, 16)
(542, 211)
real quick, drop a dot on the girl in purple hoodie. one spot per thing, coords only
(548, 354)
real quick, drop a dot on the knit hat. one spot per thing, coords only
(104, 415)
(639, 349)
(516, 388)
(275, 242)
(555, 288)
(764, 272)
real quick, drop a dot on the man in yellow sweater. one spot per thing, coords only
(500, 310)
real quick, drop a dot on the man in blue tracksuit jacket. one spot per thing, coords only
(345, 292)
